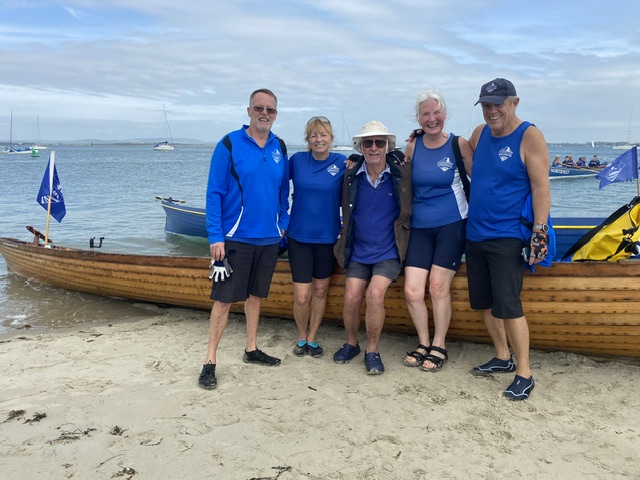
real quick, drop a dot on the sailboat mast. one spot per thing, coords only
(166, 123)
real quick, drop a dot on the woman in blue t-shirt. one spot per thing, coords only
(313, 229)
(437, 239)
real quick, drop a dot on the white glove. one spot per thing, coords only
(220, 270)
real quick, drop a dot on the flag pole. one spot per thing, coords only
(52, 157)
(635, 157)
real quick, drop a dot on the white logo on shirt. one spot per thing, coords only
(445, 164)
(333, 170)
(277, 156)
(505, 154)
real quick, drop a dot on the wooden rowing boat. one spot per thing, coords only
(589, 308)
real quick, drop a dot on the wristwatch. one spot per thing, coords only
(541, 226)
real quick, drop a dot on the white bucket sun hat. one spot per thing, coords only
(374, 129)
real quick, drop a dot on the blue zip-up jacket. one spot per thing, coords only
(256, 213)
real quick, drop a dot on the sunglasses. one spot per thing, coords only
(368, 143)
(260, 109)
(320, 119)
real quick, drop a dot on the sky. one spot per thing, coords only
(103, 69)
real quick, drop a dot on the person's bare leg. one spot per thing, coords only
(217, 323)
(302, 307)
(375, 314)
(518, 333)
(353, 292)
(440, 293)
(415, 284)
(320, 289)
(496, 329)
(252, 313)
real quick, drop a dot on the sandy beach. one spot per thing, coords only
(121, 400)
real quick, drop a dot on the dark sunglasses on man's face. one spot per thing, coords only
(260, 109)
(368, 143)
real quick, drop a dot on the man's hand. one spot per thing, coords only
(220, 270)
(539, 250)
(414, 133)
(396, 156)
(352, 160)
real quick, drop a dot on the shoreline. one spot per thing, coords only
(100, 401)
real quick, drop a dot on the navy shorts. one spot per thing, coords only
(495, 274)
(253, 267)
(310, 260)
(442, 246)
(364, 271)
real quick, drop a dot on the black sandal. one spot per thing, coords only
(437, 361)
(420, 357)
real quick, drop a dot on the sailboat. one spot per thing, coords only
(626, 146)
(345, 146)
(166, 145)
(11, 150)
(37, 147)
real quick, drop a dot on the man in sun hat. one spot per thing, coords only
(511, 162)
(376, 209)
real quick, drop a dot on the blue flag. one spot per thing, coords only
(50, 187)
(622, 169)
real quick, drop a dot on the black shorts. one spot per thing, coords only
(442, 246)
(495, 275)
(253, 267)
(310, 260)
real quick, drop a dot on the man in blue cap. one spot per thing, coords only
(511, 161)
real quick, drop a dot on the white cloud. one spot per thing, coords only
(89, 68)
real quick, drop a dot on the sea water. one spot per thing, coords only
(110, 190)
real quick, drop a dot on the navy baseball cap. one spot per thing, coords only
(496, 91)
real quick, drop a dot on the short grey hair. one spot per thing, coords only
(430, 94)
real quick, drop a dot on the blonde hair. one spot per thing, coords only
(316, 124)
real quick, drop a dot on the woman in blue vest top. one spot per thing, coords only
(438, 221)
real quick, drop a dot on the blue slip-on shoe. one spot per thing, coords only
(373, 363)
(346, 353)
(520, 388)
(495, 365)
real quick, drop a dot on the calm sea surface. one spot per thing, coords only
(109, 192)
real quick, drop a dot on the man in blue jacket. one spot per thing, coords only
(247, 215)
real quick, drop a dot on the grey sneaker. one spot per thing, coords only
(300, 350)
